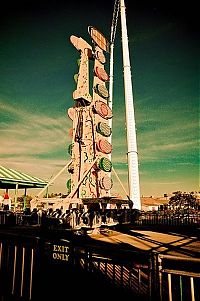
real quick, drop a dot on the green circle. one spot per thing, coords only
(105, 164)
(70, 149)
(103, 129)
(76, 78)
(68, 184)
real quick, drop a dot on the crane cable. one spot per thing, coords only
(112, 39)
(114, 21)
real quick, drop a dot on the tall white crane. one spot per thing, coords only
(132, 153)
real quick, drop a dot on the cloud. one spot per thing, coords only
(27, 134)
(44, 168)
(167, 183)
(37, 142)
(166, 134)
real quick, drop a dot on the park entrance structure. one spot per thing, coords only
(90, 169)
(11, 179)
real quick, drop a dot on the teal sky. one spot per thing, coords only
(37, 64)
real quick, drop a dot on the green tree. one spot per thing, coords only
(183, 200)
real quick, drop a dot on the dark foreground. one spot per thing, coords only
(125, 262)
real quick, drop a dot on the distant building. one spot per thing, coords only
(152, 203)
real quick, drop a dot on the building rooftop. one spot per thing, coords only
(10, 178)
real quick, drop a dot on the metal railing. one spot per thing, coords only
(178, 278)
(147, 275)
(169, 219)
(129, 270)
(18, 265)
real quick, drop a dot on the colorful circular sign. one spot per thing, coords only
(71, 168)
(100, 57)
(70, 146)
(103, 109)
(76, 78)
(103, 129)
(105, 164)
(68, 184)
(106, 183)
(102, 91)
(104, 146)
(70, 132)
(70, 113)
(101, 74)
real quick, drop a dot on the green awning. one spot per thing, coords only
(9, 178)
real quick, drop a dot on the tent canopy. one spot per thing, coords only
(10, 178)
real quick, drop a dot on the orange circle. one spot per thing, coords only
(104, 109)
(101, 73)
(70, 113)
(70, 132)
(104, 146)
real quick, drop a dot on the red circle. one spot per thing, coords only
(104, 109)
(104, 146)
(101, 73)
(70, 132)
(70, 113)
